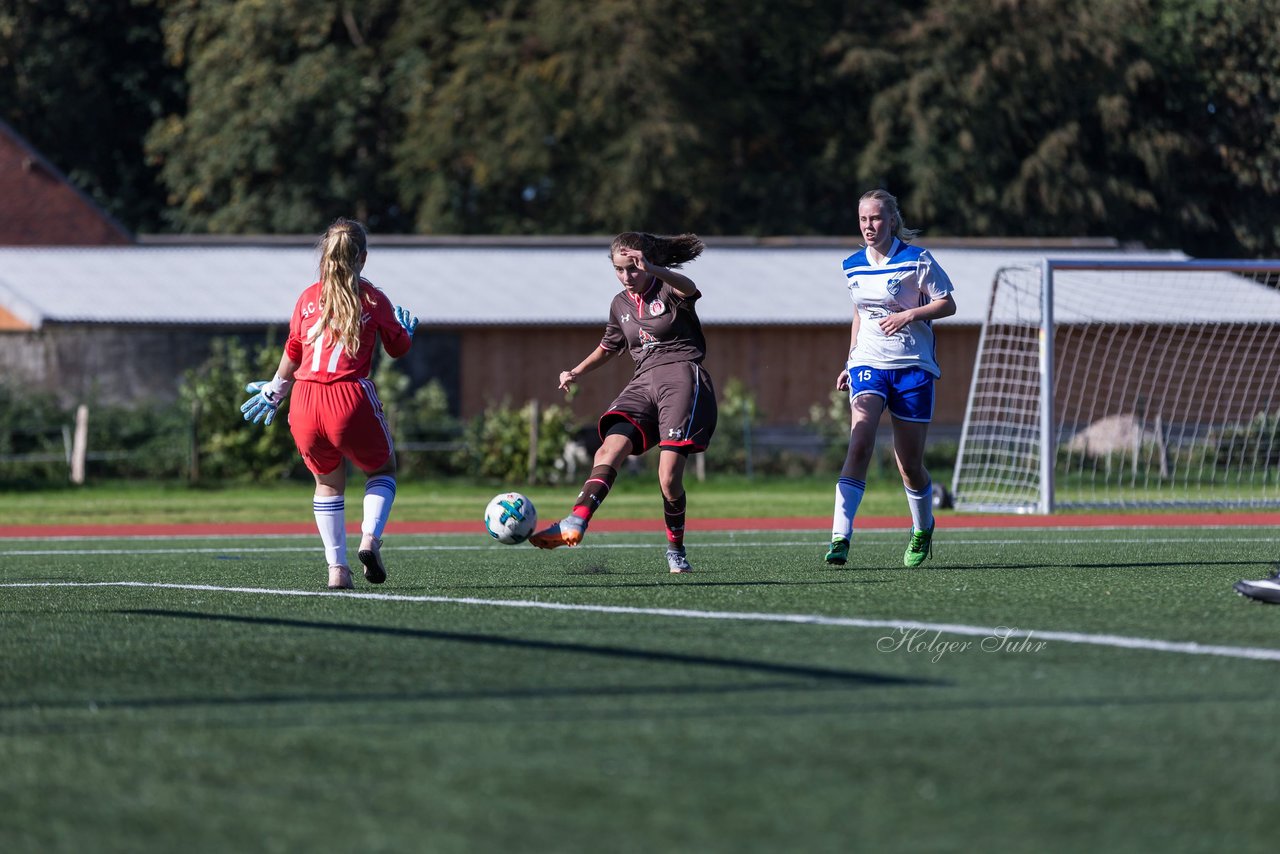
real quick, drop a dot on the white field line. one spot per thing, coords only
(489, 547)
(902, 627)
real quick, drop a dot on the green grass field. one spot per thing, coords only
(635, 496)
(455, 709)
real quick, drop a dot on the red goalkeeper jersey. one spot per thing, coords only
(321, 358)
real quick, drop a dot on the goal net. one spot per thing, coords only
(1125, 384)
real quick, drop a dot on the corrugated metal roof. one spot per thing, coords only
(459, 285)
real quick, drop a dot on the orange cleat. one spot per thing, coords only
(569, 531)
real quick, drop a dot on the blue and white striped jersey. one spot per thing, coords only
(909, 278)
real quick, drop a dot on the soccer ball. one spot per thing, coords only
(510, 518)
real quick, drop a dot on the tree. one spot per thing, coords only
(661, 115)
(288, 123)
(495, 117)
(1039, 117)
(83, 80)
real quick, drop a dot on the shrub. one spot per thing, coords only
(496, 443)
(738, 416)
(229, 448)
(427, 436)
(35, 435)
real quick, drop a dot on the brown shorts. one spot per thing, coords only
(672, 406)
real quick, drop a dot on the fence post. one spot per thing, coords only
(534, 421)
(193, 470)
(80, 444)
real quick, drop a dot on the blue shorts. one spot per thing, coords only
(907, 392)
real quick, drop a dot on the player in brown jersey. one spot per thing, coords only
(669, 402)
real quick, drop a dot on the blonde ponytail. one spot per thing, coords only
(340, 264)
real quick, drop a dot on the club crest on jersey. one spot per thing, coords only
(893, 286)
(656, 308)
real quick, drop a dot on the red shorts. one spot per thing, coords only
(330, 421)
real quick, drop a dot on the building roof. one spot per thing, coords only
(462, 283)
(40, 207)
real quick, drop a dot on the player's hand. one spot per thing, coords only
(892, 324)
(406, 320)
(567, 378)
(637, 259)
(266, 399)
(842, 380)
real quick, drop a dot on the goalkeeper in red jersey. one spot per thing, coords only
(669, 402)
(336, 414)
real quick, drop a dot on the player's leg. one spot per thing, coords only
(618, 444)
(329, 508)
(671, 479)
(307, 416)
(379, 495)
(865, 408)
(366, 439)
(687, 416)
(911, 406)
(628, 426)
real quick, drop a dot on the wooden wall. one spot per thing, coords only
(789, 367)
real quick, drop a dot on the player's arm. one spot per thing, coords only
(396, 325)
(936, 308)
(594, 359)
(287, 367)
(269, 394)
(679, 282)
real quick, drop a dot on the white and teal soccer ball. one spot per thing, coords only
(510, 518)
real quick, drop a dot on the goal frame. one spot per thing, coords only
(1047, 447)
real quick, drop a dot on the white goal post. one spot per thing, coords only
(1105, 383)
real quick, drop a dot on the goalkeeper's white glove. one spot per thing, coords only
(267, 397)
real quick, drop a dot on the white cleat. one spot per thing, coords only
(677, 561)
(1262, 590)
(340, 578)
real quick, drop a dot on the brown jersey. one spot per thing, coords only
(659, 328)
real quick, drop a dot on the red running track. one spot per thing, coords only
(945, 521)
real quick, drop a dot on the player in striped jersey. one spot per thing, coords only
(336, 325)
(898, 290)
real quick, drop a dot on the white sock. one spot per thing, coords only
(848, 497)
(331, 521)
(379, 493)
(921, 504)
